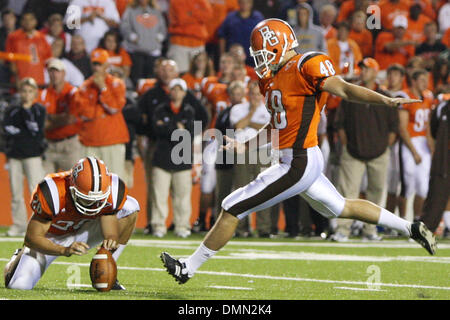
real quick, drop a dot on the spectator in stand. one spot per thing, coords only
(23, 126)
(166, 71)
(201, 66)
(144, 29)
(414, 64)
(27, 40)
(348, 7)
(327, 16)
(73, 74)
(395, 79)
(9, 20)
(145, 84)
(416, 23)
(187, 29)
(365, 137)
(147, 104)
(344, 52)
(390, 9)
(132, 118)
(168, 174)
(360, 34)
(104, 132)
(220, 11)
(118, 56)
(97, 18)
(439, 80)
(415, 149)
(394, 46)
(431, 47)
(224, 75)
(79, 57)
(247, 118)
(55, 29)
(237, 27)
(240, 57)
(309, 36)
(62, 124)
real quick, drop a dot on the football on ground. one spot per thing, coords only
(103, 270)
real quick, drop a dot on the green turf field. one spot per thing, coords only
(255, 269)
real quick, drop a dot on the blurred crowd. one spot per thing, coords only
(115, 78)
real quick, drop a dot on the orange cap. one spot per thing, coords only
(369, 63)
(100, 56)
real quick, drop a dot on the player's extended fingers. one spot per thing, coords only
(79, 248)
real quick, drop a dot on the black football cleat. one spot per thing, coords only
(422, 235)
(175, 268)
(118, 286)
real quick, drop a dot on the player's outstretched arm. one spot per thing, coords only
(35, 239)
(348, 91)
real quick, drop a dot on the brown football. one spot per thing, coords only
(103, 270)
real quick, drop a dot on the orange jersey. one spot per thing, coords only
(51, 200)
(63, 102)
(195, 84)
(120, 59)
(37, 47)
(103, 110)
(294, 99)
(419, 113)
(206, 83)
(144, 85)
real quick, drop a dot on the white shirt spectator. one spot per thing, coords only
(444, 18)
(93, 31)
(240, 111)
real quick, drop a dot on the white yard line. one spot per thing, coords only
(230, 288)
(358, 289)
(268, 277)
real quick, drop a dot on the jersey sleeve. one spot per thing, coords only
(314, 68)
(119, 192)
(42, 202)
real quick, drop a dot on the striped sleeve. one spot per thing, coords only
(119, 192)
(45, 200)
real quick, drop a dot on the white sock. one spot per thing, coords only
(447, 219)
(200, 256)
(116, 254)
(390, 220)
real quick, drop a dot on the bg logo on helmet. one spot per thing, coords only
(77, 169)
(269, 35)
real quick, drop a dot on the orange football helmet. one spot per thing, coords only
(269, 42)
(90, 185)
